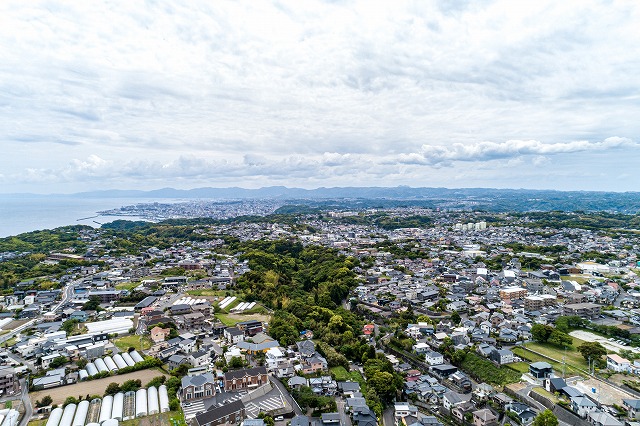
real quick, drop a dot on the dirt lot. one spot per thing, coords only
(15, 323)
(605, 393)
(94, 387)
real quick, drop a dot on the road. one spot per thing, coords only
(26, 402)
(388, 418)
(285, 394)
(345, 420)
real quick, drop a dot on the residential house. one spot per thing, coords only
(421, 348)
(314, 364)
(199, 358)
(404, 409)
(323, 385)
(443, 371)
(348, 389)
(582, 405)
(176, 361)
(523, 411)
(540, 370)
(460, 411)
(484, 417)
(633, 408)
(600, 418)
(159, 334)
(433, 358)
(330, 419)
(306, 348)
(618, 364)
(233, 335)
(451, 399)
(296, 382)
(554, 384)
(501, 357)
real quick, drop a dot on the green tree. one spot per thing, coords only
(70, 400)
(268, 420)
(235, 362)
(112, 389)
(545, 418)
(455, 317)
(45, 401)
(559, 338)
(58, 361)
(69, 325)
(541, 332)
(383, 384)
(592, 351)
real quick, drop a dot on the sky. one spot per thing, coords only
(151, 94)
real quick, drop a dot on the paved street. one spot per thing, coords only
(388, 418)
(345, 420)
(287, 397)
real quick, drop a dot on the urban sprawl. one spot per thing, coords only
(408, 316)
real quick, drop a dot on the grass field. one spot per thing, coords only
(546, 394)
(557, 366)
(163, 419)
(571, 354)
(124, 343)
(233, 319)
(342, 375)
(211, 293)
(520, 367)
(127, 286)
(484, 370)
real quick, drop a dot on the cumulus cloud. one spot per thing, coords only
(440, 155)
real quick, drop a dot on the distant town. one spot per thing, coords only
(259, 313)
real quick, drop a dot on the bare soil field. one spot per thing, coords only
(15, 323)
(94, 387)
(604, 393)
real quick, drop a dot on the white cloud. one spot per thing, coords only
(353, 93)
(487, 151)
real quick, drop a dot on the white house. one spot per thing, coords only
(274, 357)
(617, 363)
(404, 409)
(433, 358)
(582, 405)
(421, 348)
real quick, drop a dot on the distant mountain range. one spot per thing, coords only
(469, 198)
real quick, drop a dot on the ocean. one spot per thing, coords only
(25, 214)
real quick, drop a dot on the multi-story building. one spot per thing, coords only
(245, 379)
(9, 384)
(584, 310)
(510, 293)
(228, 414)
(198, 387)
